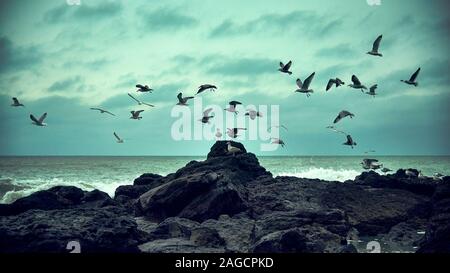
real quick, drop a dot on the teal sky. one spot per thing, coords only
(63, 59)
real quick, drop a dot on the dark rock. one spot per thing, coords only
(220, 148)
(148, 179)
(348, 249)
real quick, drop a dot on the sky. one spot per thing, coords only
(63, 59)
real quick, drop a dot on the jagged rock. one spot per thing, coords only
(220, 148)
(148, 179)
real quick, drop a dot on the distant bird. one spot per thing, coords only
(375, 47)
(143, 88)
(278, 141)
(218, 134)
(135, 114)
(232, 150)
(284, 68)
(372, 90)
(16, 102)
(279, 126)
(333, 128)
(102, 111)
(232, 107)
(304, 87)
(336, 82)
(438, 176)
(343, 114)
(233, 132)
(139, 102)
(253, 114)
(119, 140)
(40, 121)
(386, 170)
(183, 100)
(371, 164)
(349, 141)
(412, 80)
(206, 116)
(371, 151)
(357, 84)
(204, 87)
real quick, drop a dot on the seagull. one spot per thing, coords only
(218, 134)
(371, 164)
(253, 114)
(386, 170)
(140, 102)
(349, 142)
(16, 103)
(102, 111)
(232, 150)
(336, 82)
(278, 126)
(438, 176)
(135, 114)
(332, 128)
(412, 80)
(343, 114)
(278, 141)
(357, 84)
(233, 132)
(375, 47)
(143, 88)
(119, 140)
(206, 116)
(232, 108)
(204, 87)
(284, 68)
(410, 173)
(304, 87)
(183, 100)
(371, 151)
(372, 90)
(40, 121)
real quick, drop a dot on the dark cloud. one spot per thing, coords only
(68, 84)
(13, 58)
(166, 19)
(86, 11)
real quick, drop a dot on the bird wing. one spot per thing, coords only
(138, 112)
(414, 76)
(288, 65)
(376, 44)
(132, 112)
(234, 103)
(355, 80)
(15, 100)
(180, 98)
(338, 118)
(281, 64)
(349, 139)
(148, 104)
(33, 118)
(41, 119)
(109, 113)
(206, 112)
(308, 80)
(118, 138)
(131, 96)
(93, 108)
(373, 87)
(140, 86)
(299, 83)
(284, 127)
(330, 84)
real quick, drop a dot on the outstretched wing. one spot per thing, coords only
(376, 44)
(281, 64)
(355, 80)
(330, 84)
(373, 87)
(94, 108)
(131, 96)
(148, 104)
(109, 113)
(299, 83)
(287, 66)
(206, 112)
(414, 76)
(138, 112)
(41, 119)
(180, 98)
(234, 103)
(140, 86)
(308, 80)
(33, 118)
(118, 138)
(349, 139)
(15, 100)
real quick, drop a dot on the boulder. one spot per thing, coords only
(220, 148)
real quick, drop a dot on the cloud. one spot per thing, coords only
(84, 12)
(241, 67)
(13, 58)
(339, 51)
(92, 65)
(166, 19)
(67, 84)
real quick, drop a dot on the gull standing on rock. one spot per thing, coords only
(119, 140)
(183, 100)
(336, 82)
(135, 114)
(233, 150)
(304, 87)
(343, 114)
(376, 45)
(412, 80)
(40, 121)
(284, 68)
(232, 107)
(357, 84)
(204, 87)
(16, 103)
(233, 132)
(140, 102)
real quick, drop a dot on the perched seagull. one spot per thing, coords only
(336, 82)
(284, 68)
(386, 170)
(304, 87)
(357, 84)
(372, 90)
(279, 126)
(375, 47)
(183, 100)
(143, 88)
(233, 132)
(218, 134)
(16, 102)
(232, 150)
(204, 87)
(206, 116)
(343, 114)
(232, 108)
(349, 142)
(119, 140)
(278, 141)
(40, 121)
(253, 114)
(135, 114)
(140, 102)
(412, 80)
(438, 176)
(371, 164)
(102, 111)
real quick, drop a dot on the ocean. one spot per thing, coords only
(21, 176)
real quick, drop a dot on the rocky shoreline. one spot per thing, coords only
(232, 204)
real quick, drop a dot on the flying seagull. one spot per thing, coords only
(218, 134)
(284, 68)
(40, 121)
(204, 87)
(135, 114)
(140, 102)
(102, 111)
(16, 102)
(119, 140)
(232, 108)
(143, 88)
(304, 87)
(372, 90)
(183, 100)
(371, 164)
(336, 82)
(233, 132)
(343, 114)
(357, 84)
(232, 150)
(412, 80)
(375, 47)
(349, 141)
(253, 114)
(278, 141)
(334, 129)
(206, 116)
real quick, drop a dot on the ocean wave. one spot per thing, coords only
(323, 173)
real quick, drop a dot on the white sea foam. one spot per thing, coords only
(323, 173)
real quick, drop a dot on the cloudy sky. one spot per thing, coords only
(63, 59)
